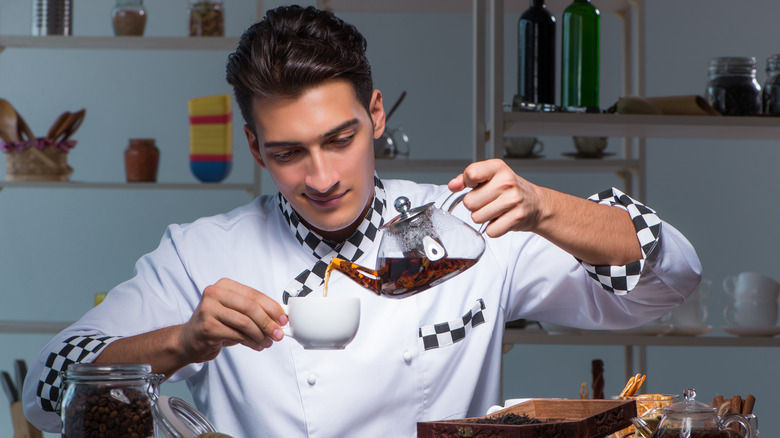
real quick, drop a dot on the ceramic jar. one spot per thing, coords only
(142, 160)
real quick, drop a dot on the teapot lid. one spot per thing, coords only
(408, 214)
(689, 405)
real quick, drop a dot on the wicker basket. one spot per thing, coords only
(34, 164)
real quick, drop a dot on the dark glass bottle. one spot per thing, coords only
(771, 90)
(580, 55)
(536, 54)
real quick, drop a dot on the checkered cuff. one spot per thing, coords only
(81, 348)
(622, 279)
(450, 332)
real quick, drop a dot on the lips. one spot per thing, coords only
(330, 201)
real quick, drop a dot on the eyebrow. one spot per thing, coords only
(336, 130)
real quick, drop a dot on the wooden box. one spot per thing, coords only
(561, 418)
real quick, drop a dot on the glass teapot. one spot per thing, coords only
(420, 248)
(692, 419)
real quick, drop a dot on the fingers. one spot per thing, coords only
(231, 313)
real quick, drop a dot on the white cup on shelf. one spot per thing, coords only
(744, 313)
(751, 286)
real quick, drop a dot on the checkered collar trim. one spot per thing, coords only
(324, 250)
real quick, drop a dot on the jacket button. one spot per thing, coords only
(311, 379)
(407, 357)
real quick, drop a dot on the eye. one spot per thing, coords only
(343, 140)
(285, 156)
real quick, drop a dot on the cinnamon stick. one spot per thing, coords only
(747, 405)
(717, 401)
(736, 404)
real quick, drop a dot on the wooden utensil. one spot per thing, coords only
(57, 126)
(9, 128)
(24, 131)
(74, 123)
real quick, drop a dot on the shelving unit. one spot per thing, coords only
(127, 43)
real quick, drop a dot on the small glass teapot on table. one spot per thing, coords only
(691, 419)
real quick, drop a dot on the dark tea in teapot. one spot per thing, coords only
(700, 433)
(400, 277)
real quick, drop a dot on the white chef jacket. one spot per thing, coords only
(385, 380)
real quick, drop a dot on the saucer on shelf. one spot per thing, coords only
(751, 331)
(587, 157)
(523, 157)
(690, 330)
(647, 330)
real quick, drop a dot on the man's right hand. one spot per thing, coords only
(229, 313)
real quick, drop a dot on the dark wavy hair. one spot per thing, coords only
(293, 49)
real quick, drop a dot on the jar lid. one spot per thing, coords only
(107, 371)
(733, 64)
(773, 62)
(179, 419)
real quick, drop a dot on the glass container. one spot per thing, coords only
(207, 18)
(771, 90)
(128, 17)
(580, 55)
(536, 54)
(732, 88)
(108, 400)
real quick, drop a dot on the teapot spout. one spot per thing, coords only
(356, 273)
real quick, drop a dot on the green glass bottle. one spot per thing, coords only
(580, 55)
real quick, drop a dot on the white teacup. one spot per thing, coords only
(692, 312)
(751, 314)
(751, 286)
(322, 323)
(522, 147)
(590, 146)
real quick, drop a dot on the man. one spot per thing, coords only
(205, 305)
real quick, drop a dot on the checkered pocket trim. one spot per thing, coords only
(73, 350)
(622, 279)
(450, 332)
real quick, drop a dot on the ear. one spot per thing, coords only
(377, 113)
(254, 146)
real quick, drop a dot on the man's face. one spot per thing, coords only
(318, 148)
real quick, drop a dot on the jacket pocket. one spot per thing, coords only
(449, 332)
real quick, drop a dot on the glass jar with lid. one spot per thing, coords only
(128, 18)
(108, 400)
(771, 90)
(206, 18)
(732, 88)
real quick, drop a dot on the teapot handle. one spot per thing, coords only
(457, 201)
(738, 418)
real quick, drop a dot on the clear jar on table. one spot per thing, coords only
(206, 18)
(732, 88)
(108, 400)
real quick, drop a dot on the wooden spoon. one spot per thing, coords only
(25, 133)
(9, 122)
(74, 123)
(57, 125)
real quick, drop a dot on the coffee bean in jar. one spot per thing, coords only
(732, 88)
(108, 400)
(207, 18)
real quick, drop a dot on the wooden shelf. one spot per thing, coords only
(126, 43)
(538, 337)
(451, 6)
(648, 126)
(124, 185)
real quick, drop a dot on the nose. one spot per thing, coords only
(321, 176)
